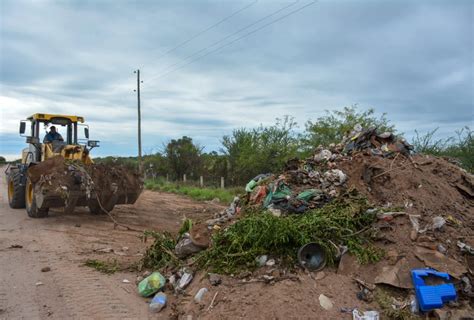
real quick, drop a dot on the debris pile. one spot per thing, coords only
(376, 209)
(75, 183)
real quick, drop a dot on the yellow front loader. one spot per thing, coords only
(62, 174)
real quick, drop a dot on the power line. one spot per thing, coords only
(233, 41)
(225, 38)
(206, 30)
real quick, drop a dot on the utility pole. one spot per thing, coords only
(140, 164)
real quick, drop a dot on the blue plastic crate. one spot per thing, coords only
(432, 297)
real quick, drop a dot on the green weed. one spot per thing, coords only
(108, 267)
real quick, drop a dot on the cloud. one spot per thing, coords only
(412, 60)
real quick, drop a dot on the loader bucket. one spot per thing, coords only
(63, 183)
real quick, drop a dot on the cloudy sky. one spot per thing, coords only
(211, 66)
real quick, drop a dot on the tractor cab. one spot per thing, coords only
(35, 127)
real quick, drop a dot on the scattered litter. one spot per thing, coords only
(214, 279)
(185, 280)
(104, 250)
(367, 315)
(438, 222)
(200, 295)
(39, 283)
(270, 263)
(125, 281)
(186, 247)
(151, 284)
(45, 269)
(158, 302)
(442, 249)
(464, 247)
(312, 256)
(15, 246)
(262, 260)
(325, 302)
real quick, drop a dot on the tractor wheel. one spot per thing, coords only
(16, 192)
(30, 201)
(95, 208)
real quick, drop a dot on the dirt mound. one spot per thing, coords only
(426, 185)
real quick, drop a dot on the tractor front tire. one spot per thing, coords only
(16, 192)
(30, 201)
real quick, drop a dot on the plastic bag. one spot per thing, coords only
(151, 284)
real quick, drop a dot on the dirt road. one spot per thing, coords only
(63, 242)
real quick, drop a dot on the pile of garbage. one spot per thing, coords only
(367, 207)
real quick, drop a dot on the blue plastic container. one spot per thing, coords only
(432, 297)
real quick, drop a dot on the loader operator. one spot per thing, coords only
(52, 135)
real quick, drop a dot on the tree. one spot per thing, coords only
(332, 127)
(260, 150)
(2, 160)
(183, 157)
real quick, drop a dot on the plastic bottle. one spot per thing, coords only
(158, 302)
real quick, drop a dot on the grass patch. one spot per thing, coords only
(342, 222)
(160, 254)
(108, 267)
(197, 193)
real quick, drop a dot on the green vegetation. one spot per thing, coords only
(108, 267)
(197, 193)
(342, 222)
(160, 253)
(460, 147)
(3, 160)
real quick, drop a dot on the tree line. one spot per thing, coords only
(247, 152)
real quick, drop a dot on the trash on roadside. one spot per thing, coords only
(45, 269)
(325, 302)
(186, 247)
(261, 260)
(367, 315)
(312, 256)
(151, 284)
(200, 295)
(39, 283)
(125, 281)
(214, 279)
(431, 297)
(438, 222)
(270, 262)
(185, 280)
(254, 182)
(464, 247)
(15, 246)
(365, 295)
(228, 214)
(158, 302)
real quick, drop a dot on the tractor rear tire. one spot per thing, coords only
(16, 192)
(30, 201)
(96, 209)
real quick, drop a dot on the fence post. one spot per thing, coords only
(222, 182)
(201, 181)
(184, 178)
